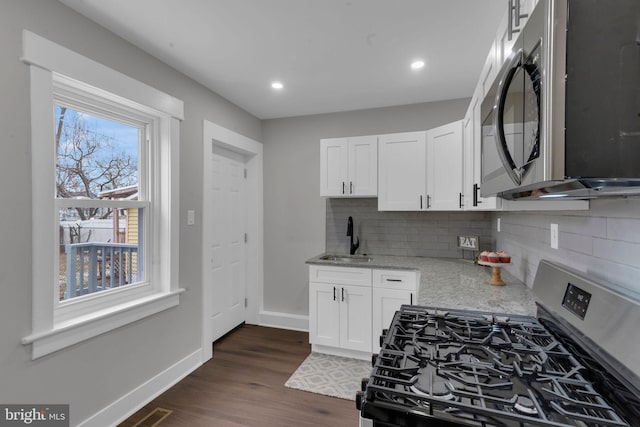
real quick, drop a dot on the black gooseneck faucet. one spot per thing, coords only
(354, 246)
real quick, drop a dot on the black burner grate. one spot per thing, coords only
(482, 370)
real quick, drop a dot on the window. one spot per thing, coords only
(105, 181)
(97, 161)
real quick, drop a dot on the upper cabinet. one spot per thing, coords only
(472, 128)
(420, 171)
(444, 167)
(402, 171)
(349, 166)
(518, 12)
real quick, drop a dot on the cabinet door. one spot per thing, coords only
(503, 44)
(444, 167)
(333, 167)
(490, 69)
(468, 156)
(324, 312)
(363, 166)
(402, 172)
(355, 317)
(385, 304)
(504, 40)
(481, 203)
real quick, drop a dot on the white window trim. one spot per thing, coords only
(52, 329)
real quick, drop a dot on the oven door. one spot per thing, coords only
(511, 123)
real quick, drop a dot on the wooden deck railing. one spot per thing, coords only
(93, 267)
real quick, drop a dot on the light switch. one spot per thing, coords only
(191, 217)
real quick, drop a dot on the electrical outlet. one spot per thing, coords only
(554, 236)
(499, 228)
(191, 217)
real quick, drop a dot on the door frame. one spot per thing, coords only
(252, 150)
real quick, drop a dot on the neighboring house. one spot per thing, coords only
(131, 228)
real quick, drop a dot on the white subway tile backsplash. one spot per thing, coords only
(618, 251)
(432, 234)
(576, 242)
(603, 242)
(624, 229)
(592, 226)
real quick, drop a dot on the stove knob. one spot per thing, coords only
(363, 383)
(374, 357)
(359, 400)
(383, 336)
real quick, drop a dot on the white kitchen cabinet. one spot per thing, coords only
(472, 128)
(349, 166)
(355, 318)
(490, 69)
(333, 166)
(340, 315)
(391, 289)
(444, 167)
(324, 315)
(340, 310)
(503, 42)
(402, 171)
(510, 26)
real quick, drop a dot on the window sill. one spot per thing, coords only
(74, 331)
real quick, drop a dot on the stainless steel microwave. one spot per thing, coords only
(562, 118)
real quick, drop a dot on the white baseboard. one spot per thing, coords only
(131, 402)
(274, 319)
(342, 352)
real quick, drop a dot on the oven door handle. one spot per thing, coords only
(510, 69)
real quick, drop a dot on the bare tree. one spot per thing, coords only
(88, 162)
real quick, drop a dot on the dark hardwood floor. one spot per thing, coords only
(243, 385)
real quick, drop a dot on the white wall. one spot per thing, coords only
(91, 375)
(294, 211)
(603, 242)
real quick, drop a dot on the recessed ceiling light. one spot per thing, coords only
(277, 85)
(416, 65)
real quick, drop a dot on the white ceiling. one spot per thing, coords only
(331, 55)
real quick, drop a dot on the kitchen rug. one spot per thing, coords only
(330, 375)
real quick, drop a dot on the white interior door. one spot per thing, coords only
(224, 224)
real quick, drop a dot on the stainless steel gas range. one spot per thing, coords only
(577, 363)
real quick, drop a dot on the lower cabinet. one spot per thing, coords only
(339, 316)
(391, 289)
(349, 307)
(385, 304)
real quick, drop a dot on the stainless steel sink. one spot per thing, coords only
(346, 258)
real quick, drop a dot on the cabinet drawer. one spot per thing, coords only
(395, 279)
(341, 275)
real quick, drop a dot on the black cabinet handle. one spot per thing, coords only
(476, 188)
(334, 293)
(460, 204)
(342, 294)
(393, 280)
(421, 202)
(428, 202)
(514, 18)
(411, 298)
(350, 187)
(342, 187)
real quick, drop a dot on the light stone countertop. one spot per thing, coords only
(453, 283)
